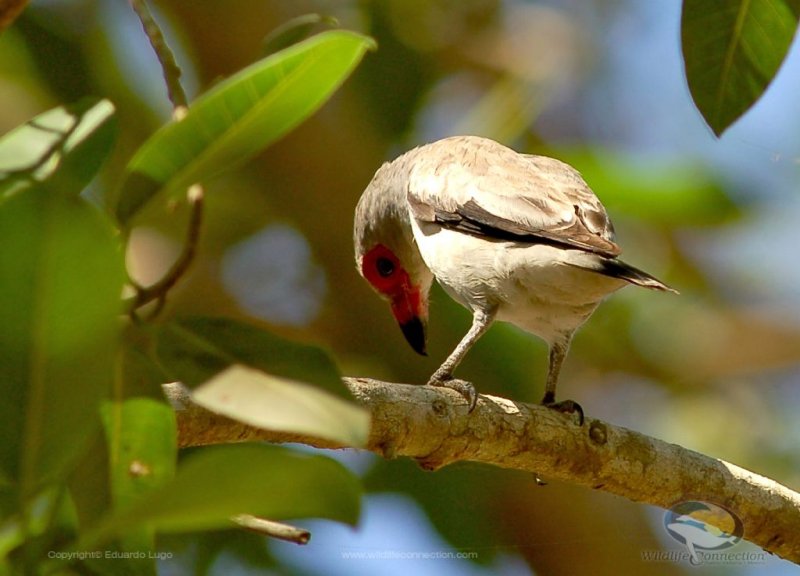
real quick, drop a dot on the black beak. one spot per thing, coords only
(414, 331)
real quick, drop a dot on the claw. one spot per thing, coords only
(566, 407)
(466, 389)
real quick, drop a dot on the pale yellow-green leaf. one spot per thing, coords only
(274, 403)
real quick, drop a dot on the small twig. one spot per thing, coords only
(172, 72)
(158, 291)
(272, 529)
(172, 77)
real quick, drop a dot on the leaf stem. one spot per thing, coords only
(158, 291)
(172, 72)
(195, 193)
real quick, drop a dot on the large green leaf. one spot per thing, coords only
(731, 50)
(256, 377)
(142, 447)
(65, 145)
(219, 482)
(61, 276)
(274, 403)
(142, 444)
(137, 378)
(195, 349)
(240, 116)
(134, 453)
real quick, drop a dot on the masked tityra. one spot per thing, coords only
(510, 236)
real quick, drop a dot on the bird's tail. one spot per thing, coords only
(619, 269)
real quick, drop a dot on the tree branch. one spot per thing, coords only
(433, 426)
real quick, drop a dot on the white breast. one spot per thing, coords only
(532, 285)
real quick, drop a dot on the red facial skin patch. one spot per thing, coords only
(384, 272)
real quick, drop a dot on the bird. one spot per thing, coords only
(512, 237)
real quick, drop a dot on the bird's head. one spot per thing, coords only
(387, 255)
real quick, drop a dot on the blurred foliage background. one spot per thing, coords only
(599, 84)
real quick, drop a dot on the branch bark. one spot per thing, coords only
(433, 426)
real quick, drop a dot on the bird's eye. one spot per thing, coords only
(385, 267)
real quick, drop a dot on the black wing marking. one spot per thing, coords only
(471, 218)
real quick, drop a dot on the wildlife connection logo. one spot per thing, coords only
(707, 534)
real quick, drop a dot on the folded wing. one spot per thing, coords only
(480, 187)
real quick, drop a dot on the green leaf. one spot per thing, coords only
(215, 483)
(240, 117)
(731, 50)
(142, 445)
(61, 276)
(89, 485)
(65, 146)
(266, 401)
(142, 375)
(667, 193)
(195, 349)
(137, 376)
(274, 392)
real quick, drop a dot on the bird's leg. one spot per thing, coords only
(481, 320)
(558, 351)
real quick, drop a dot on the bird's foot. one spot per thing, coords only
(564, 406)
(466, 389)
